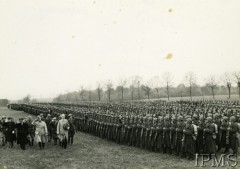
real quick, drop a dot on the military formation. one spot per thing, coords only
(181, 128)
(41, 130)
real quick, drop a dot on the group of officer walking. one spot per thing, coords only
(42, 129)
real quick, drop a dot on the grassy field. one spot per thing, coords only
(87, 152)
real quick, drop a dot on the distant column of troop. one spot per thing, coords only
(182, 128)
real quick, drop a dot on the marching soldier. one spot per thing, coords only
(31, 130)
(72, 129)
(22, 132)
(62, 131)
(53, 129)
(47, 121)
(10, 133)
(4, 130)
(41, 132)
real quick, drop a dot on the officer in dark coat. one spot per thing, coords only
(72, 129)
(223, 135)
(188, 141)
(10, 133)
(53, 129)
(210, 144)
(22, 132)
(233, 130)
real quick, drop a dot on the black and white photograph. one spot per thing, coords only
(119, 84)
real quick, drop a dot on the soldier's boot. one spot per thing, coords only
(226, 150)
(32, 142)
(3, 142)
(69, 138)
(40, 145)
(219, 148)
(11, 144)
(65, 143)
(43, 145)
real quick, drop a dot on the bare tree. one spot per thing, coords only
(167, 77)
(237, 76)
(138, 87)
(180, 89)
(211, 82)
(99, 91)
(109, 87)
(131, 88)
(26, 99)
(135, 82)
(147, 90)
(82, 93)
(190, 78)
(89, 93)
(155, 84)
(122, 82)
(227, 78)
(202, 92)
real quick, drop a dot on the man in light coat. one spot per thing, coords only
(41, 131)
(62, 130)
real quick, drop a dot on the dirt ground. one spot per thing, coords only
(87, 152)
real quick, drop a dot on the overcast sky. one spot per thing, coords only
(51, 47)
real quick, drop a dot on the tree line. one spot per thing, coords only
(133, 88)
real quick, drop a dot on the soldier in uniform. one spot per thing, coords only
(188, 139)
(173, 134)
(143, 132)
(47, 121)
(72, 129)
(10, 133)
(53, 129)
(22, 132)
(4, 129)
(179, 135)
(138, 131)
(62, 131)
(223, 135)
(41, 132)
(200, 141)
(153, 133)
(233, 130)
(210, 144)
(166, 135)
(159, 134)
(31, 130)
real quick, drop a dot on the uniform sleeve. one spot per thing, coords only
(58, 128)
(46, 129)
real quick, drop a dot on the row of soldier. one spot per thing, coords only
(42, 129)
(182, 128)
